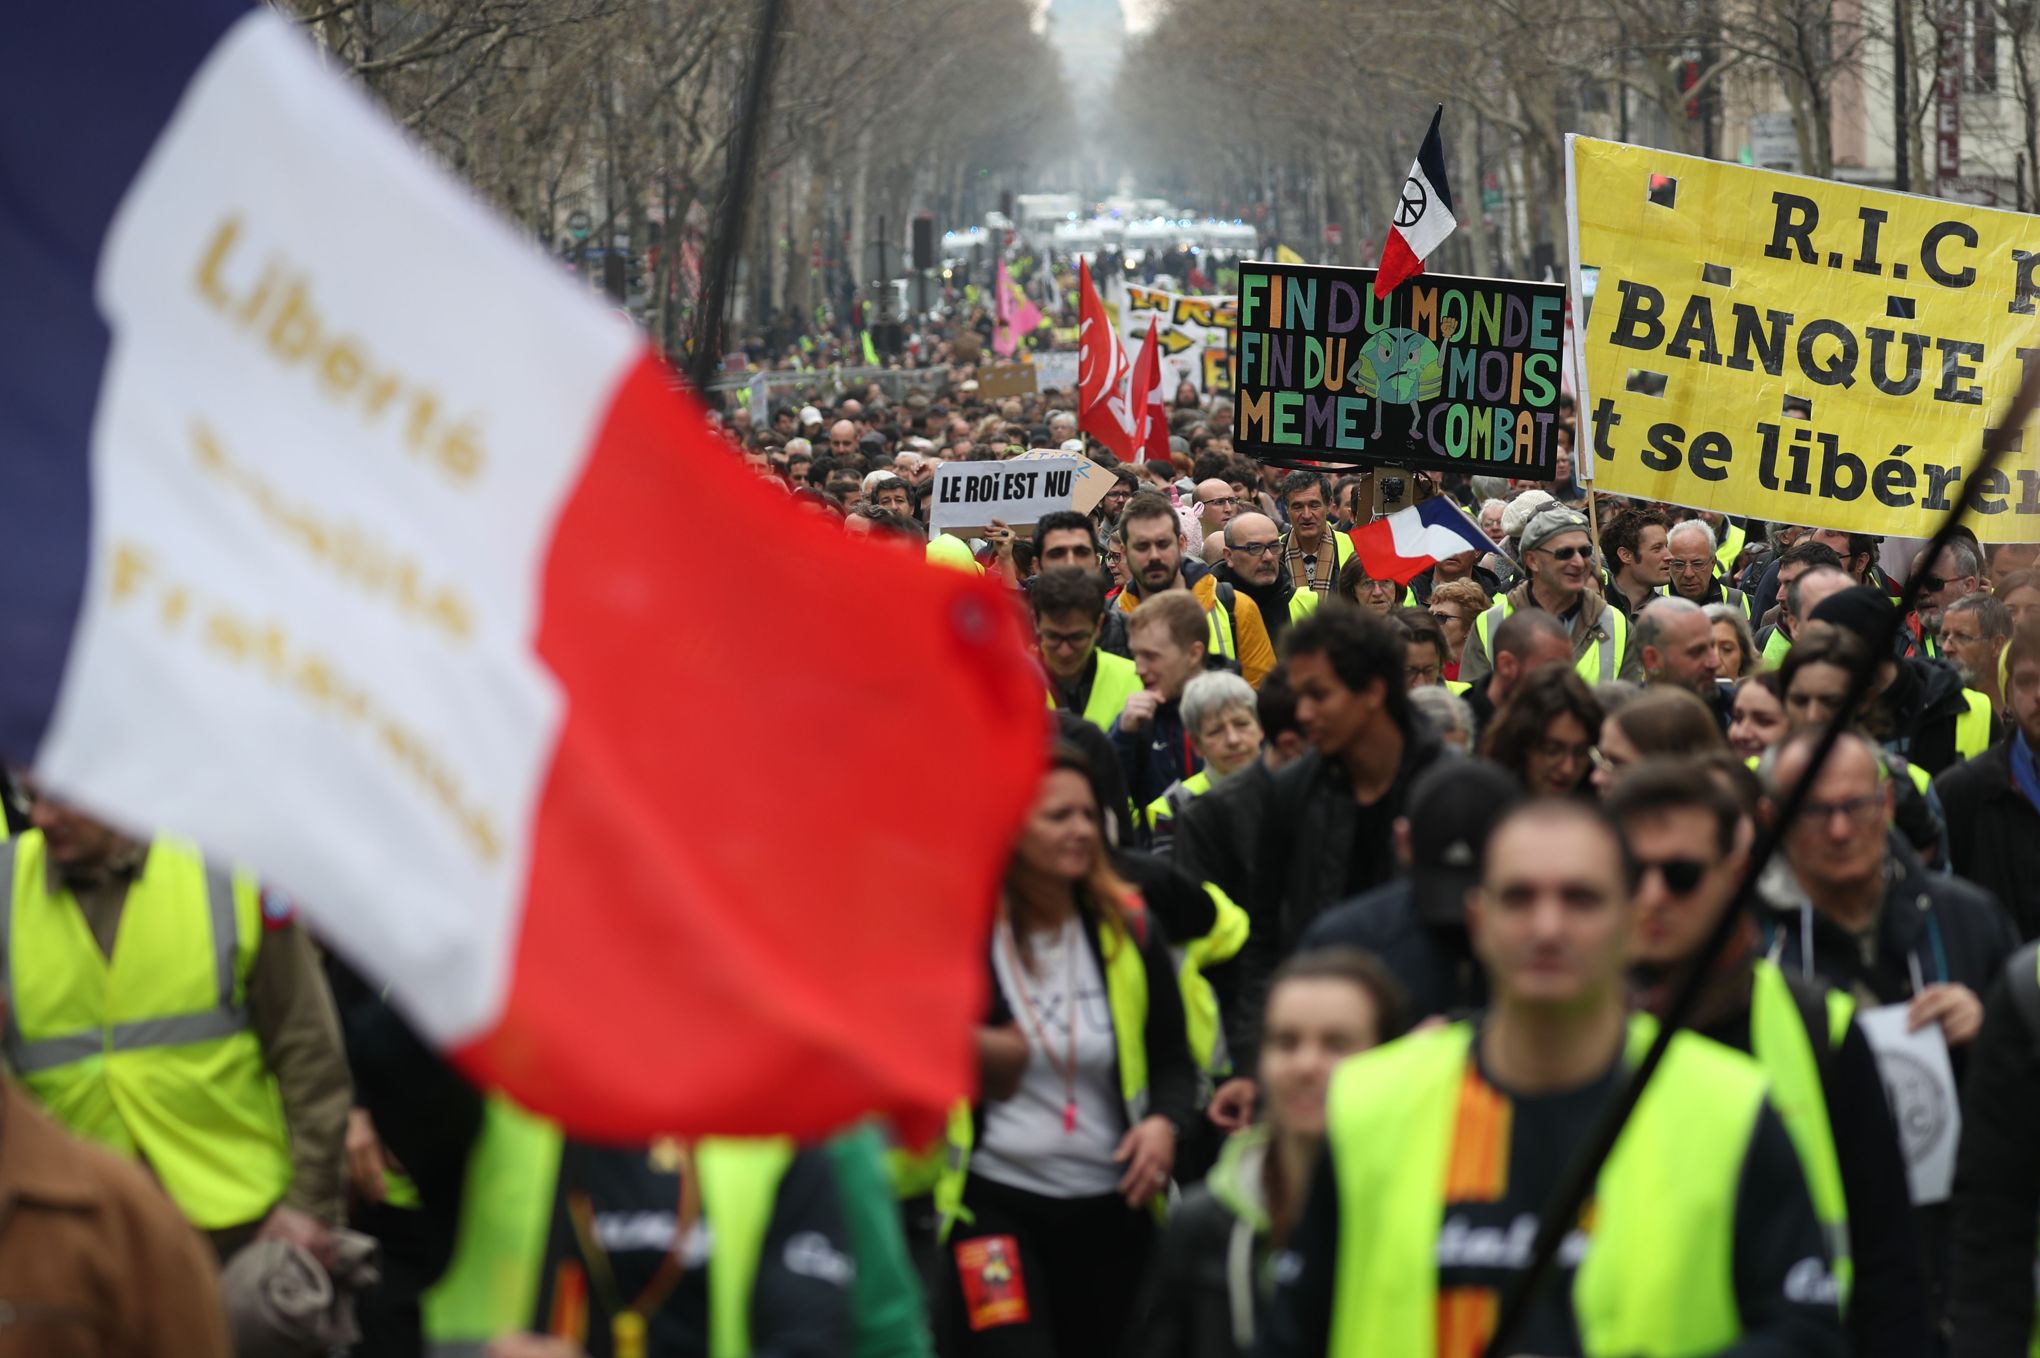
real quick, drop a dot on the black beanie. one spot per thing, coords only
(1862, 609)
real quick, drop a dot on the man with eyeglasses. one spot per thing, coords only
(1253, 566)
(1069, 611)
(1559, 558)
(1974, 630)
(1694, 571)
(1216, 505)
(1877, 926)
(1690, 837)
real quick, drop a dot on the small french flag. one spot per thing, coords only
(1423, 215)
(344, 534)
(1410, 541)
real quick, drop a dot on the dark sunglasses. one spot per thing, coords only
(1566, 553)
(1681, 874)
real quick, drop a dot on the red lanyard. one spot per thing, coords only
(1068, 1070)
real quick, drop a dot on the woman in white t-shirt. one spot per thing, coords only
(1087, 1082)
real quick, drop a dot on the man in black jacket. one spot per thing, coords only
(1997, 1176)
(1688, 832)
(1923, 703)
(1989, 802)
(1863, 914)
(1416, 924)
(1326, 830)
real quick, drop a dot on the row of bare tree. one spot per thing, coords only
(623, 110)
(1307, 112)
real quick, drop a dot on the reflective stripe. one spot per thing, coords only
(1606, 646)
(176, 1030)
(29, 1058)
(48, 1053)
(219, 900)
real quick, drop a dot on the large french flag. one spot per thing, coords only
(346, 535)
(1410, 541)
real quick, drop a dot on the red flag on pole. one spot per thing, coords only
(1101, 374)
(1150, 416)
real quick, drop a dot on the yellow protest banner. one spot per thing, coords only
(1799, 350)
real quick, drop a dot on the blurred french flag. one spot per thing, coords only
(345, 534)
(1405, 544)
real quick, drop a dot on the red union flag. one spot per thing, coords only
(1101, 374)
(1150, 415)
(350, 538)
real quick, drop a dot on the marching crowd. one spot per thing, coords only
(1343, 910)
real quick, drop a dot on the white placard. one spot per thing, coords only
(1056, 370)
(1017, 492)
(1920, 1084)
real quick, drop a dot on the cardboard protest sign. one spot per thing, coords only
(1453, 374)
(1017, 492)
(1805, 351)
(999, 380)
(1193, 334)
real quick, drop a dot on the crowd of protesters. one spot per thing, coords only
(1344, 907)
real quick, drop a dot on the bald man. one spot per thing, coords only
(1253, 566)
(1216, 505)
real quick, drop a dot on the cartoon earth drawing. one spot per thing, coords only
(1398, 367)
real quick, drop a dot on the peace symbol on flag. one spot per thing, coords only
(1410, 210)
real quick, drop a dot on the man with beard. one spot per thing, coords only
(1152, 539)
(1974, 630)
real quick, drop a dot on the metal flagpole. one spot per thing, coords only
(1578, 1183)
(736, 199)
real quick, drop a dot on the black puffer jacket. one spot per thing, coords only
(1994, 834)
(1206, 1289)
(1923, 703)
(1308, 856)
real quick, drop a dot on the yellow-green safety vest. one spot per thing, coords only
(1729, 595)
(1658, 1280)
(1161, 808)
(1126, 997)
(1784, 1048)
(1731, 546)
(1972, 725)
(1600, 663)
(150, 1052)
(493, 1285)
(1111, 686)
(1200, 1002)
(1776, 647)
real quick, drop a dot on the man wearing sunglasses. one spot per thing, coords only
(1690, 838)
(1558, 556)
(1956, 574)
